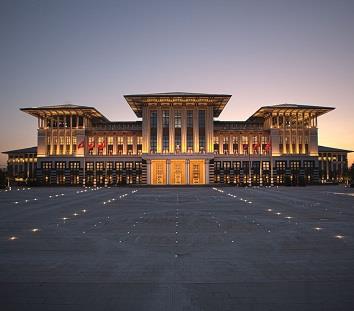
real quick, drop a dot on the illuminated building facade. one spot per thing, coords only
(22, 165)
(177, 141)
(333, 164)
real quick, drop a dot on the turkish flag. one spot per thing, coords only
(91, 146)
(101, 145)
(81, 145)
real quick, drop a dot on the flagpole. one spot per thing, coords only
(271, 164)
(260, 166)
(84, 169)
(249, 168)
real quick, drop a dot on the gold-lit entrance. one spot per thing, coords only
(158, 172)
(196, 172)
(177, 172)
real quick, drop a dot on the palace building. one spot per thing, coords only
(177, 141)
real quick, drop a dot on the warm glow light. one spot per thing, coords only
(339, 237)
(12, 238)
(35, 230)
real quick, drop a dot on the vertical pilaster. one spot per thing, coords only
(206, 168)
(184, 130)
(172, 130)
(148, 172)
(195, 130)
(209, 129)
(146, 129)
(168, 168)
(159, 129)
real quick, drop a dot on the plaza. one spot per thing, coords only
(177, 248)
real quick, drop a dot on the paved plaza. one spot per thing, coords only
(203, 248)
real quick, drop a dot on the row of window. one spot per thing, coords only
(279, 165)
(245, 150)
(90, 166)
(332, 157)
(65, 122)
(293, 119)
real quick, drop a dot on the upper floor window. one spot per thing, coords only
(178, 119)
(201, 118)
(153, 119)
(120, 140)
(130, 140)
(165, 119)
(190, 118)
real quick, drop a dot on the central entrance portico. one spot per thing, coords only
(178, 172)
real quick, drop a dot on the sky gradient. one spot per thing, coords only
(94, 52)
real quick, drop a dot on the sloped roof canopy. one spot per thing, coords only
(266, 111)
(331, 149)
(218, 101)
(62, 110)
(24, 150)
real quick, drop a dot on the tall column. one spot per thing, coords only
(187, 172)
(209, 129)
(206, 167)
(114, 143)
(146, 130)
(168, 168)
(184, 130)
(159, 129)
(231, 151)
(148, 172)
(172, 130)
(297, 133)
(51, 136)
(195, 130)
(125, 143)
(134, 144)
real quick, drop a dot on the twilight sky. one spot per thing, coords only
(93, 52)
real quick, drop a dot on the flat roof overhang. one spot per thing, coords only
(136, 102)
(63, 110)
(266, 111)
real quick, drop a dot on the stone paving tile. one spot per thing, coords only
(200, 248)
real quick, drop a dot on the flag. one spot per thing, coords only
(245, 146)
(81, 145)
(91, 146)
(101, 145)
(268, 146)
